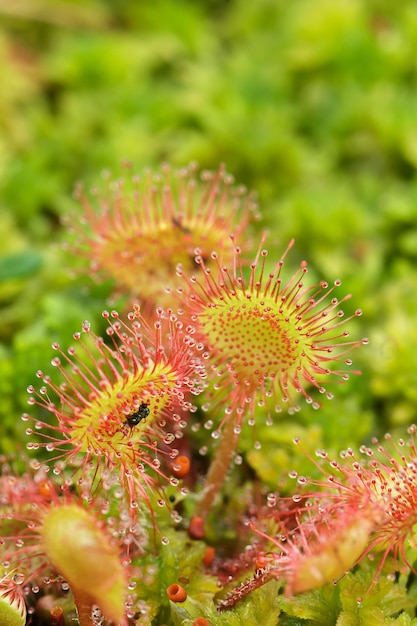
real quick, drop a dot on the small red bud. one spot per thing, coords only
(176, 593)
(196, 528)
(181, 466)
(208, 557)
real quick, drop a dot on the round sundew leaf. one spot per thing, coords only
(10, 614)
(20, 265)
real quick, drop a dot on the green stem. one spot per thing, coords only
(216, 475)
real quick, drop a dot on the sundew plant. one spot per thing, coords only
(208, 295)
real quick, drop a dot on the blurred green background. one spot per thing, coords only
(311, 103)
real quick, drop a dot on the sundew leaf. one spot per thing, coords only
(10, 615)
(20, 265)
(69, 534)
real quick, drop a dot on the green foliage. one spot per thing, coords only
(352, 603)
(263, 607)
(177, 562)
(384, 600)
(315, 607)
